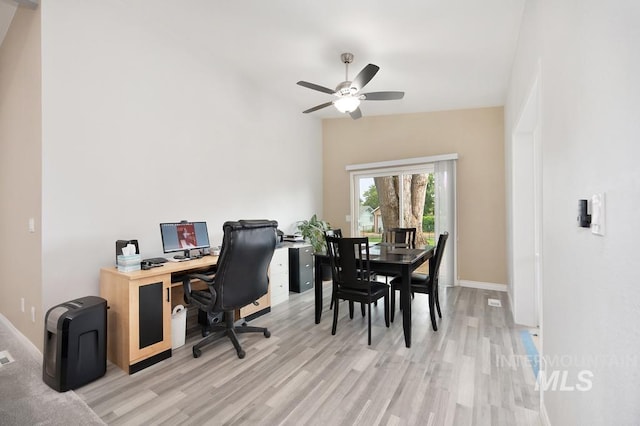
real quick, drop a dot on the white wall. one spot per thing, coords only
(140, 128)
(590, 104)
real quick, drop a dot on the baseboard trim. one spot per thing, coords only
(33, 349)
(482, 285)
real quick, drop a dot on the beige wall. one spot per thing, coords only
(476, 135)
(20, 173)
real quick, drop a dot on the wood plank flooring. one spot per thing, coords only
(304, 375)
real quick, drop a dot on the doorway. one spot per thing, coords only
(418, 192)
(526, 213)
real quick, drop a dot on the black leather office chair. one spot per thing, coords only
(426, 284)
(241, 278)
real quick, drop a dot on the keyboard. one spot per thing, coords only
(156, 260)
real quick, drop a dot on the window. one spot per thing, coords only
(417, 193)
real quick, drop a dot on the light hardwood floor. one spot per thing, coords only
(459, 375)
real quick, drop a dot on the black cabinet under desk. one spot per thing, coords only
(300, 268)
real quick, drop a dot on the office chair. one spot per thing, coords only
(426, 284)
(241, 278)
(352, 278)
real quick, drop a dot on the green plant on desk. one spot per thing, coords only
(313, 230)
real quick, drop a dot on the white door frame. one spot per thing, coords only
(526, 213)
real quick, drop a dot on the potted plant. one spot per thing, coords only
(313, 231)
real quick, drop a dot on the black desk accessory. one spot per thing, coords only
(120, 244)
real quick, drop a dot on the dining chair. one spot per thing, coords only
(426, 284)
(337, 232)
(351, 271)
(401, 237)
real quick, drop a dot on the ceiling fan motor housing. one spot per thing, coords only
(346, 58)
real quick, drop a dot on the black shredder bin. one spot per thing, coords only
(75, 343)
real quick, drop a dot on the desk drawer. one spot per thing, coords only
(300, 268)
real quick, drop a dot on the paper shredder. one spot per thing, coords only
(75, 343)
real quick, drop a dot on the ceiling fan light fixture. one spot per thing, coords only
(347, 104)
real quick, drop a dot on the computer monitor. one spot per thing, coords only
(184, 236)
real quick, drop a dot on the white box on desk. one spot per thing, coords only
(129, 263)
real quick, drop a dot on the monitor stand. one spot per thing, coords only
(186, 256)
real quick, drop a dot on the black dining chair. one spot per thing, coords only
(401, 237)
(337, 232)
(352, 281)
(426, 284)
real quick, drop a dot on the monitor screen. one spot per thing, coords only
(183, 236)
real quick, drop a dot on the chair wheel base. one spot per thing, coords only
(241, 354)
(196, 353)
(267, 334)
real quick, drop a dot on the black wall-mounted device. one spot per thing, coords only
(584, 219)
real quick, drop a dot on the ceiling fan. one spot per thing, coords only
(348, 92)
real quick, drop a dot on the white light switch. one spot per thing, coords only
(32, 225)
(597, 214)
(347, 218)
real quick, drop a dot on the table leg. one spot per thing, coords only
(317, 271)
(405, 302)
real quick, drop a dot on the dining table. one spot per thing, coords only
(385, 259)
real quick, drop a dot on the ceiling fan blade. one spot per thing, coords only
(317, 107)
(383, 96)
(316, 87)
(356, 113)
(364, 76)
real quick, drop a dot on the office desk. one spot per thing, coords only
(383, 259)
(140, 305)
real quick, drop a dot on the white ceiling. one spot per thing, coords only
(444, 54)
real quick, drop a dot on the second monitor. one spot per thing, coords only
(184, 236)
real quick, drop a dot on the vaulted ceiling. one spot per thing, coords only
(444, 54)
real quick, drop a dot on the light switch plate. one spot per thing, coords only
(598, 214)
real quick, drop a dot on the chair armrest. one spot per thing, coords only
(202, 277)
(188, 293)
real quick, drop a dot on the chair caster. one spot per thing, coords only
(267, 334)
(196, 353)
(205, 333)
(241, 354)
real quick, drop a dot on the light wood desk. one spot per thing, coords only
(139, 310)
